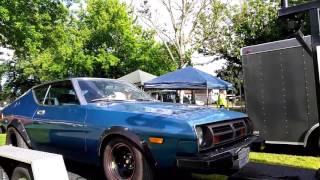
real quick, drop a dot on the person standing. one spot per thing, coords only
(222, 99)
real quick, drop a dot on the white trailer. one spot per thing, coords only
(19, 163)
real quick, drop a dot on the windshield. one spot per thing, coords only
(109, 90)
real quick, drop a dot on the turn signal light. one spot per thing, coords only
(156, 140)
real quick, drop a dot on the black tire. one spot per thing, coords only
(313, 144)
(123, 160)
(3, 174)
(318, 174)
(15, 139)
(21, 172)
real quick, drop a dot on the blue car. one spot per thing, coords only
(130, 135)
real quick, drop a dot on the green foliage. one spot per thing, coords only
(52, 43)
(254, 22)
(26, 25)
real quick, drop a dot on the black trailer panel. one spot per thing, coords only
(280, 90)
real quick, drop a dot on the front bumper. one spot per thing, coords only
(221, 159)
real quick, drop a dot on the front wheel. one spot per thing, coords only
(122, 160)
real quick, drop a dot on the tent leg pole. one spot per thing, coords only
(242, 110)
(207, 96)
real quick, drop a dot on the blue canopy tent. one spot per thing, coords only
(187, 78)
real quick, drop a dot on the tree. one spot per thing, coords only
(121, 45)
(180, 32)
(253, 22)
(52, 43)
(26, 27)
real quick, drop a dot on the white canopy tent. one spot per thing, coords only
(137, 77)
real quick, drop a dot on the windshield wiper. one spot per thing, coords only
(141, 99)
(110, 100)
(106, 99)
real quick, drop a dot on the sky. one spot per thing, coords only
(162, 17)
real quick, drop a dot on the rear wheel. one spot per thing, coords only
(21, 172)
(313, 144)
(15, 139)
(123, 160)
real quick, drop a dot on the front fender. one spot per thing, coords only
(133, 137)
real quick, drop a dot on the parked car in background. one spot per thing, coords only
(116, 125)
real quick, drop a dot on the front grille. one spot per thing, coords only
(240, 129)
(228, 132)
(221, 129)
(238, 125)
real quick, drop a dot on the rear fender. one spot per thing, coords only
(309, 132)
(18, 125)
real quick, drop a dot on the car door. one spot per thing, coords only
(58, 123)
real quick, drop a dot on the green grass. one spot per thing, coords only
(305, 162)
(2, 139)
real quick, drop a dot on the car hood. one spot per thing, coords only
(191, 113)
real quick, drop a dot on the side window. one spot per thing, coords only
(40, 93)
(61, 93)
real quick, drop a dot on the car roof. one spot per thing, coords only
(76, 79)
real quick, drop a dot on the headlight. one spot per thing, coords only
(204, 136)
(199, 135)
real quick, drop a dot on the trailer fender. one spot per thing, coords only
(310, 131)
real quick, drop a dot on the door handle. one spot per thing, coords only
(41, 112)
(36, 122)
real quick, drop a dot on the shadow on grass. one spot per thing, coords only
(273, 172)
(290, 149)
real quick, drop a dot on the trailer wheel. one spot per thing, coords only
(3, 174)
(15, 139)
(314, 141)
(21, 172)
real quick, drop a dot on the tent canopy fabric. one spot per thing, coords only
(187, 78)
(137, 77)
